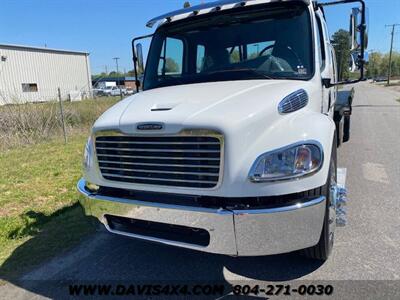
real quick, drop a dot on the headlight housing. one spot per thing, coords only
(290, 162)
(88, 155)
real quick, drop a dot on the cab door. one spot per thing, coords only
(326, 65)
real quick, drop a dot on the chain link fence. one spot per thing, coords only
(57, 114)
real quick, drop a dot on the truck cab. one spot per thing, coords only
(231, 145)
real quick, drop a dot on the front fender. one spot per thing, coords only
(290, 129)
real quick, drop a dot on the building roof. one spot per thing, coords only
(114, 79)
(210, 7)
(42, 49)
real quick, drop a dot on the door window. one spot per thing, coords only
(321, 44)
(201, 53)
(171, 61)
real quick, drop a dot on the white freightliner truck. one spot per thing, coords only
(230, 147)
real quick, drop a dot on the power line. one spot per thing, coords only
(391, 51)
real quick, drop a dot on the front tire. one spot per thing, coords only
(323, 249)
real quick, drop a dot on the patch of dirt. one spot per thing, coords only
(9, 209)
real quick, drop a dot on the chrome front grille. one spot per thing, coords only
(192, 161)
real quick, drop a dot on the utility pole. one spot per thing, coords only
(391, 51)
(116, 63)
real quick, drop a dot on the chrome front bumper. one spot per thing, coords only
(232, 232)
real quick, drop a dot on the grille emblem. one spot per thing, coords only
(150, 126)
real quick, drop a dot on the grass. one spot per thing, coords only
(40, 215)
(39, 211)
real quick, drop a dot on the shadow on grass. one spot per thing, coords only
(50, 236)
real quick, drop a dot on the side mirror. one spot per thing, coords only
(358, 39)
(350, 45)
(137, 57)
(139, 54)
(354, 41)
(357, 31)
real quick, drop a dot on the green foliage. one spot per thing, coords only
(341, 43)
(171, 66)
(116, 74)
(235, 56)
(130, 73)
(378, 64)
(99, 76)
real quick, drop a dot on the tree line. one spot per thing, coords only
(114, 74)
(378, 64)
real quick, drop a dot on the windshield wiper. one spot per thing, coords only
(254, 71)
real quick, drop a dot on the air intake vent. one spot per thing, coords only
(293, 102)
(183, 161)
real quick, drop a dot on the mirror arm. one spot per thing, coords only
(326, 82)
(339, 2)
(134, 57)
(363, 28)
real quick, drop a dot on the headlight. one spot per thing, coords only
(88, 155)
(287, 163)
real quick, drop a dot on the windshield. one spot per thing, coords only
(273, 42)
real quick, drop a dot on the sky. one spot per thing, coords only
(105, 28)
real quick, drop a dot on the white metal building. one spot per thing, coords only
(34, 74)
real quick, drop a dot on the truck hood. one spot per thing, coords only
(218, 105)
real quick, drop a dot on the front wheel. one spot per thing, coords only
(323, 249)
